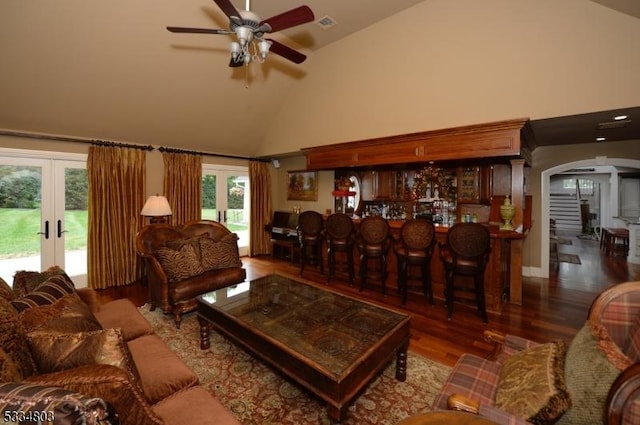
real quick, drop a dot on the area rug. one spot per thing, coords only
(569, 258)
(258, 395)
(564, 241)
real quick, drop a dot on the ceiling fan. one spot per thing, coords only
(250, 29)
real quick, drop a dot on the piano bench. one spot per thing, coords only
(286, 249)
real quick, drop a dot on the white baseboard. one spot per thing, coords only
(534, 272)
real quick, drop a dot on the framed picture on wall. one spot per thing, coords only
(302, 185)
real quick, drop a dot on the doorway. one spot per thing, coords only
(226, 199)
(609, 208)
(43, 213)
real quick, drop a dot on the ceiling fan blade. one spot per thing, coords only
(229, 10)
(286, 52)
(198, 30)
(299, 15)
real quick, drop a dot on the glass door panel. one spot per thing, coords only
(38, 198)
(225, 198)
(21, 222)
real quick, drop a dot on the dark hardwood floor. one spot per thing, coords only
(554, 308)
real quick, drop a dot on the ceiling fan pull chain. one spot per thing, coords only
(246, 75)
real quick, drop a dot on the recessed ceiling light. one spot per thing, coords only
(600, 139)
(620, 117)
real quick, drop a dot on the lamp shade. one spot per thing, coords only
(156, 206)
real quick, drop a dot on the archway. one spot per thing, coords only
(546, 190)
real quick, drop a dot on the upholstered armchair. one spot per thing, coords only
(594, 380)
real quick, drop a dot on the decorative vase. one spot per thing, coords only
(507, 211)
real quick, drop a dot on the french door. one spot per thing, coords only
(43, 213)
(225, 198)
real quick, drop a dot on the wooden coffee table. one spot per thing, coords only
(331, 344)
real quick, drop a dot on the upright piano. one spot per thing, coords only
(284, 235)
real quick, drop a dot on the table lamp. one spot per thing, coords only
(157, 208)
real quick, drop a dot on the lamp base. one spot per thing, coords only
(158, 220)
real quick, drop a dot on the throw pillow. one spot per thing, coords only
(531, 384)
(13, 339)
(9, 369)
(220, 254)
(179, 264)
(68, 314)
(589, 374)
(5, 290)
(177, 244)
(26, 281)
(632, 350)
(53, 352)
(48, 292)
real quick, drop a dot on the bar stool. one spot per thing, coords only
(311, 234)
(340, 238)
(373, 243)
(466, 253)
(415, 248)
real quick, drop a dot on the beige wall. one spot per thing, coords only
(280, 183)
(466, 62)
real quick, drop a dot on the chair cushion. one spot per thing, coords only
(178, 409)
(123, 314)
(589, 374)
(162, 373)
(532, 384)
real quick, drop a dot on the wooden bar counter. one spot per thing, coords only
(503, 276)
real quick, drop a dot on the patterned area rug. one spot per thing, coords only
(258, 395)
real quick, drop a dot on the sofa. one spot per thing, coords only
(182, 262)
(66, 359)
(593, 380)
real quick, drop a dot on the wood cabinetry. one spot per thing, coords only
(498, 139)
(378, 185)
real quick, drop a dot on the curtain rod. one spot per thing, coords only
(121, 145)
(220, 155)
(44, 136)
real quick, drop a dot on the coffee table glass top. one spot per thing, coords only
(328, 328)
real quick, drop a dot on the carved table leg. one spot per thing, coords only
(204, 333)
(401, 362)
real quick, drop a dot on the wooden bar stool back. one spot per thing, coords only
(373, 244)
(311, 234)
(340, 238)
(466, 253)
(415, 248)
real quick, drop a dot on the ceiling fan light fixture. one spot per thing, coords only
(263, 47)
(235, 50)
(245, 35)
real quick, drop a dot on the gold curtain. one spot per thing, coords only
(116, 197)
(260, 184)
(183, 186)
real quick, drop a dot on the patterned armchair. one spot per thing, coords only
(596, 380)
